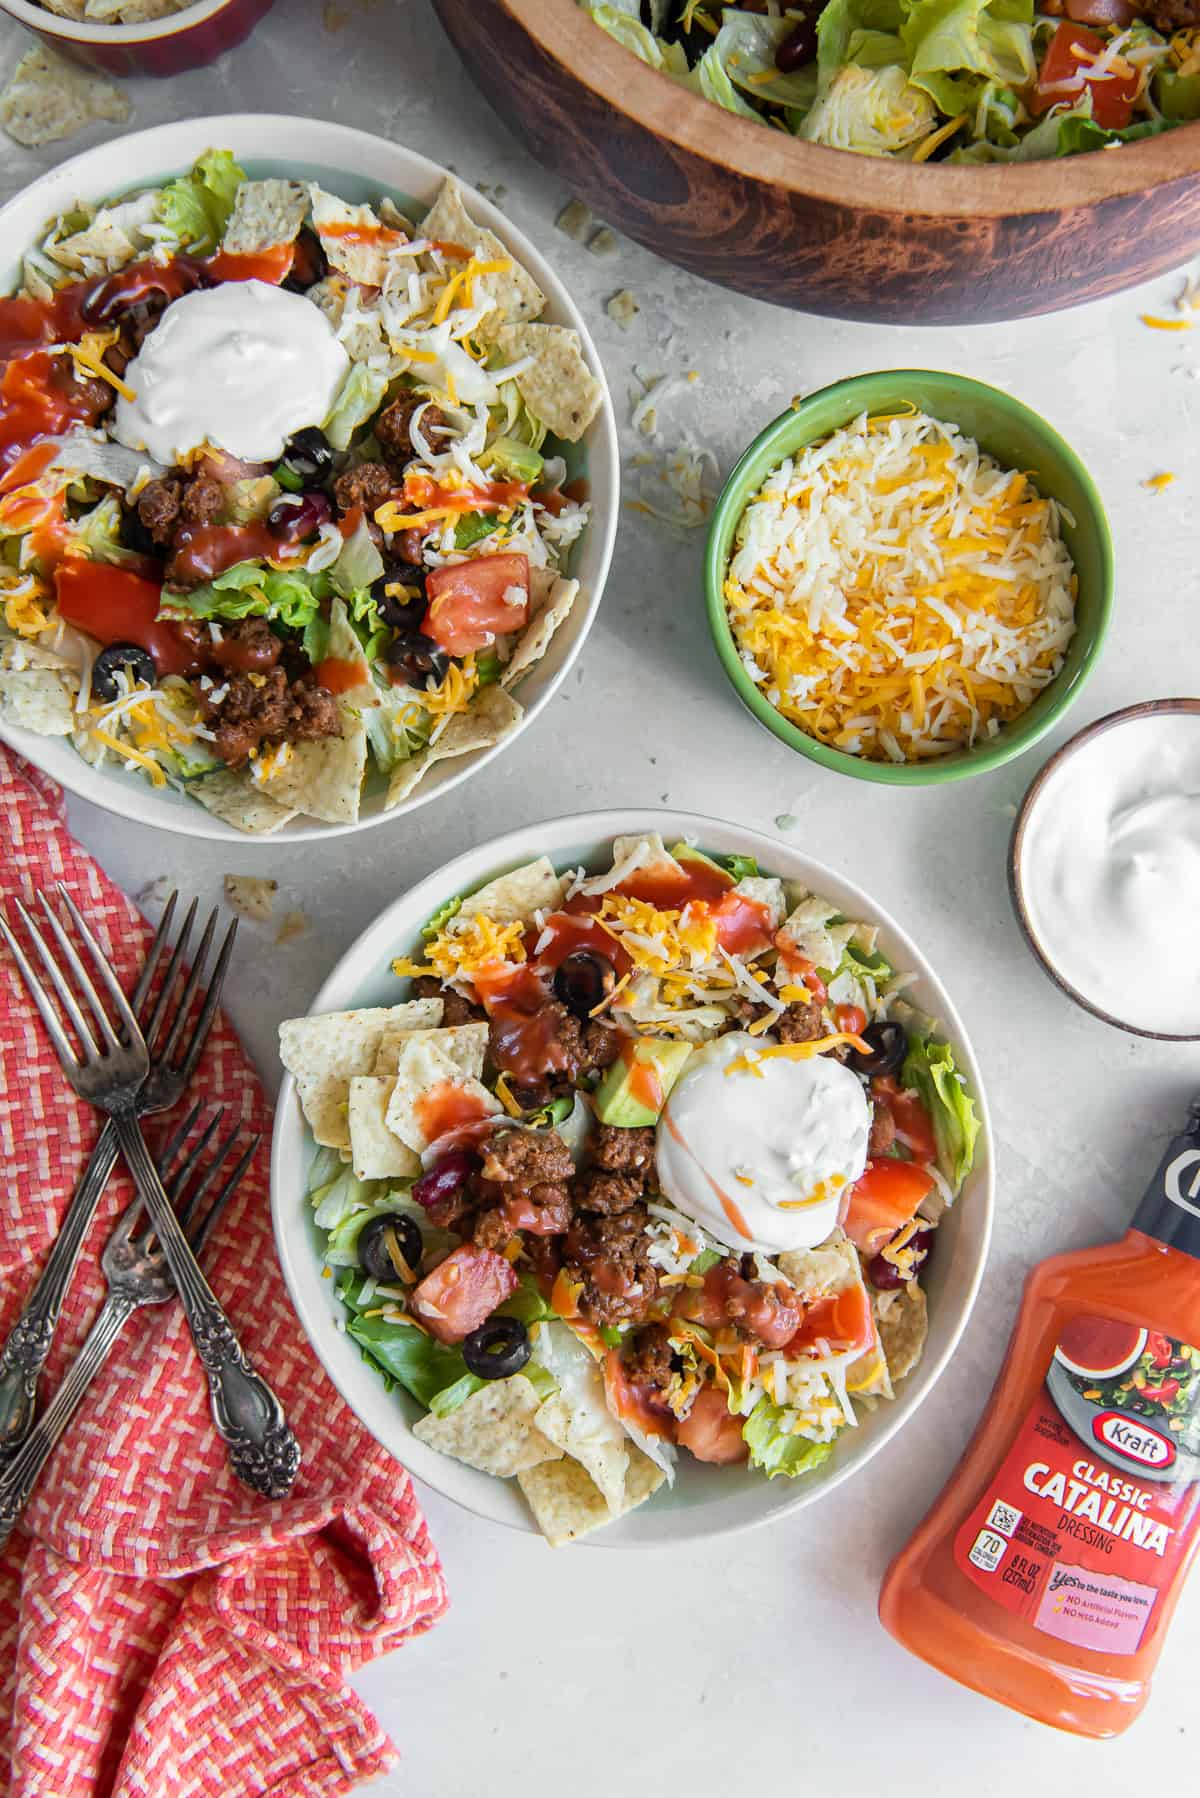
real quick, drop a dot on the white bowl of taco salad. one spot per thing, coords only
(308, 478)
(634, 1171)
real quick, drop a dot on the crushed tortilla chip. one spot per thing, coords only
(903, 1320)
(567, 1503)
(48, 98)
(251, 896)
(493, 1430)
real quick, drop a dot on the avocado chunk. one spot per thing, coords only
(636, 1087)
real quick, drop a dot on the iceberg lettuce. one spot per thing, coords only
(776, 1452)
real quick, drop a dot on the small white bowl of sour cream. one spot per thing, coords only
(1104, 869)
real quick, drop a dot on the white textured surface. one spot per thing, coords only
(759, 1664)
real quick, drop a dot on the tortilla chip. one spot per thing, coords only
(465, 1044)
(232, 796)
(131, 12)
(375, 1154)
(604, 1457)
(493, 1430)
(365, 337)
(251, 896)
(516, 293)
(265, 214)
(323, 779)
(406, 776)
(550, 601)
(903, 1322)
(567, 1503)
(323, 1053)
(67, 9)
(39, 700)
(109, 240)
(390, 214)
(832, 1267)
(514, 898)
(363, 258)
(48, 98)
(559, 387)
(395, 1035)
(421, 1068)
(492, 716)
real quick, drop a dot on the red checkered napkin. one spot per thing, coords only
(162, 1631)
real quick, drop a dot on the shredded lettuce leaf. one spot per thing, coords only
(745, 47)
(358, 399)
(358, 565)
(775, 1452)
(196, 207)
(929, 1070)
(291, 596)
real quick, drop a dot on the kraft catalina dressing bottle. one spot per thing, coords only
(1046, 1574)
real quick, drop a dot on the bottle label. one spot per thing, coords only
(1092, 1512)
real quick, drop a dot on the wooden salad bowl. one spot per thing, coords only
(823, 230)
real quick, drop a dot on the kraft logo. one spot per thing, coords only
(1137, 1441)
(1185, 1169)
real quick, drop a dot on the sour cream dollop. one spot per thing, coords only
(240, 366)
(758, 1148)
(1110, 871)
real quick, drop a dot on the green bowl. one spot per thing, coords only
(1017, 438)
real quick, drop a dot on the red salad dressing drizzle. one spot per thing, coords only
(642, 1080)
(447, 1107)
(206, 550)
(115, 605)
(339, 676)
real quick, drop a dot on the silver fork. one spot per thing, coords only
(174, 1059)
(137, 1274)
(109, 1073)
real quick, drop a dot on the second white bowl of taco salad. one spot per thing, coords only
(632, 1172)
(308, 478)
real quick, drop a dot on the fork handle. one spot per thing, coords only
(262, 1449)
(24, 1353)
(20, 1474)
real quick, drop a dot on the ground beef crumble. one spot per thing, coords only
(610, 1258)
(263, 710)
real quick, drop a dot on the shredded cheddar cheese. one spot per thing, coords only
(794, 1052)
(457, 954)
(1158, 482)
(896, 594)
(1165, 324)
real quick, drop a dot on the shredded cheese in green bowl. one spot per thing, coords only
(909, 576)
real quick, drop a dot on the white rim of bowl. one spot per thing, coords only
(85, 31)
(189, 818)
(1034, 793)
(601, 826)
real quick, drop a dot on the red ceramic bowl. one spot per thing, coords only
(167, 46)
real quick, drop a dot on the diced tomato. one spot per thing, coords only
(886, 1197)
(850, 1018)
(1160, 1348)
(843, 1321)
(462, 1292)
(710, 1431)
(115, 605)
(914, 1126)
(1161, 1395)
(469, 605)
(1062, 79)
